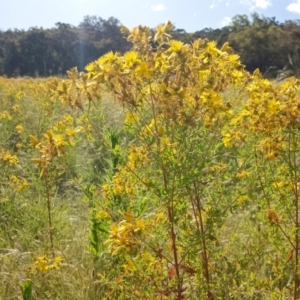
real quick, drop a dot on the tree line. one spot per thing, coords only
(46, 52)
(261, 42)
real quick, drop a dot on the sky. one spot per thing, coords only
(191, 15)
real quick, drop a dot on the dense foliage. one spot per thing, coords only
(191, 191)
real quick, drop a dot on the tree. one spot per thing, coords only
(66, 43)
(99, 36)
(259, 43)
(292, 45)
(36, 52)
(12, 58)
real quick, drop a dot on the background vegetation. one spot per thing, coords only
(261, 42)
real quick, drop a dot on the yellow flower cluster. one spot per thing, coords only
(145, 77)
(124, 235)
(5, 115)
(54, 142)
(121, 184)
(137, 156)
(219, 167)
(19, 128)
(8, 158)
(19, 184)
(271, 111)
(242, 174)
(43, 264)
(131, 118)
(51, 146)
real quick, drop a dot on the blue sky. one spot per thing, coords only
(190, 15)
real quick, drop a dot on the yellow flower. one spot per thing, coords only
(8, 157)
(59, 140)
(123, 235)
(41, 263)
(90, 68)
(118, 185)
(102, 214)
(227, 140)
(142, 70)
(273, 107)
(238, 75)
(24, 184)
(14, 179)
(19, 145)
(271, 155)
(5, 115)
(33, 141)
(19, 128)
(211, 48)
(175, 46)
(20, 95)
(105, 191)
(131, 58)
(70, 132)
(242, 174)
(56, 262)
(233, 58)
(242, 199)
(68, 119)
(109, 57)
(219, 167)
(131, 118)
(203, 74)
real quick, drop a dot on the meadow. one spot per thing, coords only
(166, 174)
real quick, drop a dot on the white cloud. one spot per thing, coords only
(294, 7)
(158, 7)
(252, 3)
(225, 21)
(215, 3)
(246, 2)
(262, 3)
(256, 3)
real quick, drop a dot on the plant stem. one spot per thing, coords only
(296, 194)
(170, 207)
(49, 211)
(204, 246)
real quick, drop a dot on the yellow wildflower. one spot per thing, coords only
(19, 145)
(41, 263)
(130, 118)
(242, 199)
(8, 157)
(143, 70)
(19, 128)
(175, 46)
(56, 262)
(242, 174)
(102, 214)
(20, 95)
